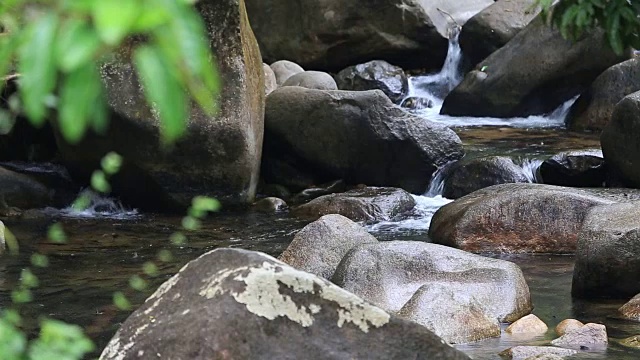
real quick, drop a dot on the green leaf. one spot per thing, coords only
(7, 49)
(81, 93)
(150, 268)
(82, 202)
(111, 163)
(121, 301)
(99, 182)
(60, 341)
(615, 40)
(21, 296)
(137, 283)
(36, 65)
(56, 234)
(205, 203)
(190, 223)
(77, 44)
(39, 260)
(13, 342)
(114, 18)
(28, 279)
(163, 91)
(165, 256)
(178, 239)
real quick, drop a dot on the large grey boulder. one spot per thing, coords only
(594, 107)
(320, 246)
(219, 156)
(493, 27)
(620, 143)
(580, 168)
(239, 304)
(519, 218)
(358, 136)
(608, 255)
(427, 282)
(312, 80)
(469, 175)
(533, 73)
(375, 75)
(370, 205)
(333, 34)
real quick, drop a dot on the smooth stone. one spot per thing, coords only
(580, 168)
(370, 204)
(631, 310)
(270, 205)
(529, 324)
(320, 246)
(240, 304)
(375, 75)
(567, 325)
(526, 352)
(312, 80)
(588, 337)
(270, 81)
(284, 69)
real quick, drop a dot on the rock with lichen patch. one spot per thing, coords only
(240, 304)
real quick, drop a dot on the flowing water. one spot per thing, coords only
(108, 242)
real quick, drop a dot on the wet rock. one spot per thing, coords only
(581, 168)
(620, 143)
(320, 246)
(22, 191)
(417, 103)
(594, 108)
(519, 218)
(312, 80)
(284, 69)
(608, 254)
(317, 191)
(469, 175)
(588, 337)
(270, 81)
(223, 150)
(53, 176)
(370, 204)
(526, 352)
(270, 205)
(432, 281)
(358, 136)
(631, 342)
(631, 310)
(239, 304)
(529, 324)
(533, 73)
(460, 321)
(331, 35)
(493, 27)
(375, 75)
(567, 325)
(545, 357)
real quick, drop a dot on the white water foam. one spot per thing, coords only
(99, 207)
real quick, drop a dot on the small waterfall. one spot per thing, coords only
(436, 186)
(530, 168)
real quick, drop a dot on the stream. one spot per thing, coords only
(108, 242)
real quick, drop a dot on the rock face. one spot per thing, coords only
(608, 255)
(430, 283)
(284, 69)
(358, 136)
(588, 337)
(593, 109)
(331, 35)
(532, 74)
(312, 80)
(619, 140)
(513, 218)
(493, 27)
(223, 151)
(527, 352)
(469, 175)
(22, 191)
(370, 205)
(238, 304)
(320, 246)
(375, 75)
(582, 168)
(631, 310)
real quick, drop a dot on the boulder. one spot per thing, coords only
(529, 324)
(533, 73)
(358, 136)
(312, 80)
(370, 204)
(469, 175)
(320, 246)
(270, 205)
(3, 242)
(375, 75)
(417, 103)
(427, 283)
(526, 352)
(270, 81)
(462, 320)
(284, 69)
(239, 304)
(631, 342)
(218, 156)
(580, 168)
(608, 255)
(62, 189)
(519, 218)
(493, 27)
(331, 35)
(567, 325)
(594, 107)
(588, 337)
(631, 310)
(619, 140)
(22, 191)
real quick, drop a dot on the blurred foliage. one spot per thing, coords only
(620, 19)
